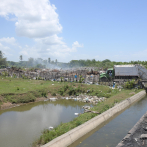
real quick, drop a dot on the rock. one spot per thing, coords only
(143, 136)
(53, 99)
(86, 107)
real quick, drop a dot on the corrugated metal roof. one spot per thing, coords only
(124, 65)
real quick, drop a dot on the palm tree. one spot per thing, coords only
(49, 60)
(56, 61)
(20, 57)
(1, 54)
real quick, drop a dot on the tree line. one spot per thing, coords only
(102, 64)
(48, 63)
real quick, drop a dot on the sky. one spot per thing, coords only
(74, 29)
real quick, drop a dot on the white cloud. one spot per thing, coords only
(76, 45)
(38, 20)
(8, 40)
(5, 50)
(35, 18)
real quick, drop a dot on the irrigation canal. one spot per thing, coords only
(113, 131)
(20, 126)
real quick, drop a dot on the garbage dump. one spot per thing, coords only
(87, 75)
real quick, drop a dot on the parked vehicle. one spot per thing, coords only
(124, 72)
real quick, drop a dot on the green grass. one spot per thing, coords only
(24, 90)
(11, 85)
(62, 128)
(116, 96)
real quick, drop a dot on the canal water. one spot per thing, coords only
(112, 132)
(21, 126)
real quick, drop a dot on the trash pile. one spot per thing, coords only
(82, 98)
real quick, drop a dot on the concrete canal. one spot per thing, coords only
(112, 132)
(20, 126)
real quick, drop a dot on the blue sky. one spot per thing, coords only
(74, 29)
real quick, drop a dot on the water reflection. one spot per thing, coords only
(110, 134)
(20, 126)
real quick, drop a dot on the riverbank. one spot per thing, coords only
(101, 107)
(15, 92)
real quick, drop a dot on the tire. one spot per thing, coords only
(104, 79)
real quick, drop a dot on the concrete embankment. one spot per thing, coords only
(137, 136)
(76, 133)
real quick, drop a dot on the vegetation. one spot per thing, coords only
(3, 61)
(129, 84)
(102, 64)
(40, 63)
(116, 96)
(16, 90)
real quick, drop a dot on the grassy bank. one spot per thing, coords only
(24, 90)
(116, 96)
(15, 90)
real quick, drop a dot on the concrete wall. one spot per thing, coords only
(71, 136)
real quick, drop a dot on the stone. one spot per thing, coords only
(143, 136)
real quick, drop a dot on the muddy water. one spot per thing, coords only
(113, 131)
(20, 126)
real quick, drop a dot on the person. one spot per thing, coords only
(110, 73)
(113, 84)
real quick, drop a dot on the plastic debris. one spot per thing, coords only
(51, 128)
(76, 113)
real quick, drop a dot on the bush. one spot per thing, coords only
(53, 94)
(37, 93)
(24, 99)
(108, 95)
(61, 91)
(71, 91)
(65, 87)
(129, 84)
(44, 93)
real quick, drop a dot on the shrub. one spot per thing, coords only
(107, 95)
(37, 93)
(129, 84)
(61, 91)
(53, 94)
(71, 91)
(44, 93)
(65, 87)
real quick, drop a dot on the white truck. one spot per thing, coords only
(125, 72)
